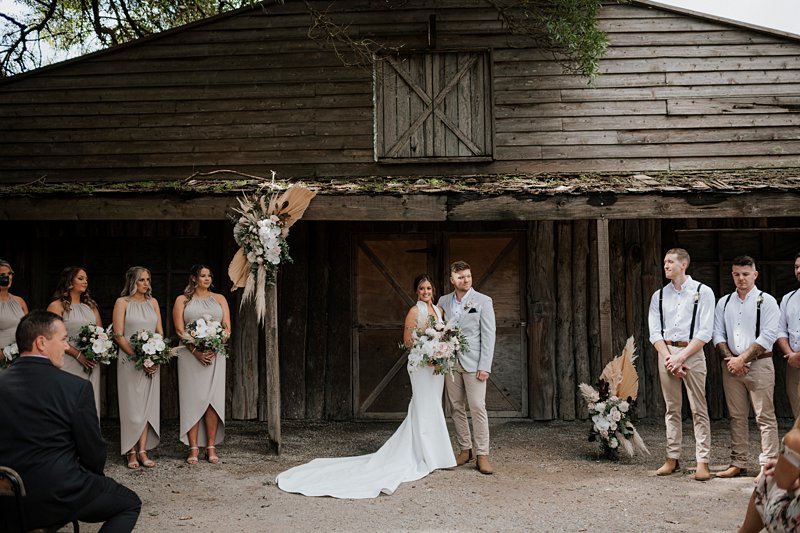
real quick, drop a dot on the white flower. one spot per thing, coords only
(149, 348)
(601, 423)
(624, 406)
(600, 407)
(615, 414)
(143, 335)
(612, 442)
(99, 346)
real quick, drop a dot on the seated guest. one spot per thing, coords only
(775, 503)
(51, 436)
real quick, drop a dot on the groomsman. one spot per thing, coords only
(474, 313)
(789, 340)
(745, 328)
(681, 321)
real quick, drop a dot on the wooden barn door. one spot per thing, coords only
(385, 267)
(497, 271)
(385, 270)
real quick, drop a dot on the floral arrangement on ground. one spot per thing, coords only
(612, 404)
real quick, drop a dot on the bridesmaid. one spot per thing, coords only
(72, 302)
(201, 375)
(138, 390)
(12, 308)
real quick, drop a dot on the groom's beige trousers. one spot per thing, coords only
(463, 389)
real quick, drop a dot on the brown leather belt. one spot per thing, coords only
(679, 344)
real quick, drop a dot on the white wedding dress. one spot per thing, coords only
(419, 446)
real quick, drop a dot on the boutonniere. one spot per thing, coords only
(760, 299)
(469, 304)
(697, 296)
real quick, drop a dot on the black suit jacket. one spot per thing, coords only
(49, 434)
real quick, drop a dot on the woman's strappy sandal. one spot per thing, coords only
(192, 459)
(211, 456)
(146, 462)
(134, 464)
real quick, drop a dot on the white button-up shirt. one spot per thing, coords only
(678, 307)
(789, 327)
(458, 307)
(736, 323)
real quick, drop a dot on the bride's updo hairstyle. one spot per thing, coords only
(423, 277)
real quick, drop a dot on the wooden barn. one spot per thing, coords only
(467, 142)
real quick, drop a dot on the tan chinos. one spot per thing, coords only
(463, 389)
(757, 386)
(695, 383)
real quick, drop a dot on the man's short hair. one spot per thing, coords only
(32, 325)
(458, 266)
(682, 254)
(744, 261)
(797, 256)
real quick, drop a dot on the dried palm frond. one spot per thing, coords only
(625, 443)
(239, 270)
(589, 393)
(638, 443)
(291, 205)
(620, 374)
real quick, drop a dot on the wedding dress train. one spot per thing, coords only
(419, 446)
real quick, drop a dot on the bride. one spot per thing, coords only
(419, 446)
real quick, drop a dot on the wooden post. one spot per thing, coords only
(565, 359)
(273, 382)
(542, 322)
(604, 285)
(244, 397)
(580, 297)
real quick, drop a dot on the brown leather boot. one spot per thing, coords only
(702, 473)
(732, 471)
(484, 467)
(463, 457)
(669, 466)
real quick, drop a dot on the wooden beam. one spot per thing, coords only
(415, 207)
(604, 283)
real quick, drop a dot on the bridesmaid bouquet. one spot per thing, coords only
(149, 349)
(438, 345)
(10, 353)
(96, 344)
(207, 335)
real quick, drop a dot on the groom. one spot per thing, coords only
(474, 314)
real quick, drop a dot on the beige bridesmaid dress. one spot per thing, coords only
(78, 316)
(10, 315)
(199, 385)
(139, 395)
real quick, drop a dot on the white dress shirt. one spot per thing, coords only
(736, 323)
(457, 307)
(678, 306)
(789, 327)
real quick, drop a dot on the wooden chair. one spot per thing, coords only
(11, 485)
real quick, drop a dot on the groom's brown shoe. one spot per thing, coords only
(702, 473)
(484, 467)
(463, 457)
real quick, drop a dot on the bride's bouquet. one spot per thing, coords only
(438, 345)
(96, 344)
(206, 335)
(149, 349)
(10, 353)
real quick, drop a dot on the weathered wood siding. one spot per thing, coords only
(251, 92)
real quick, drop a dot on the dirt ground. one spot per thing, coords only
(548, 478)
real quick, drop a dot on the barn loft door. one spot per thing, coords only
(496, 262)
(433, 105)
(385, 269)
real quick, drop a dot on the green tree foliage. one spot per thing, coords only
(567, 28)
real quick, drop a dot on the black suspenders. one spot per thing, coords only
(694, 310)
(758, 310)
